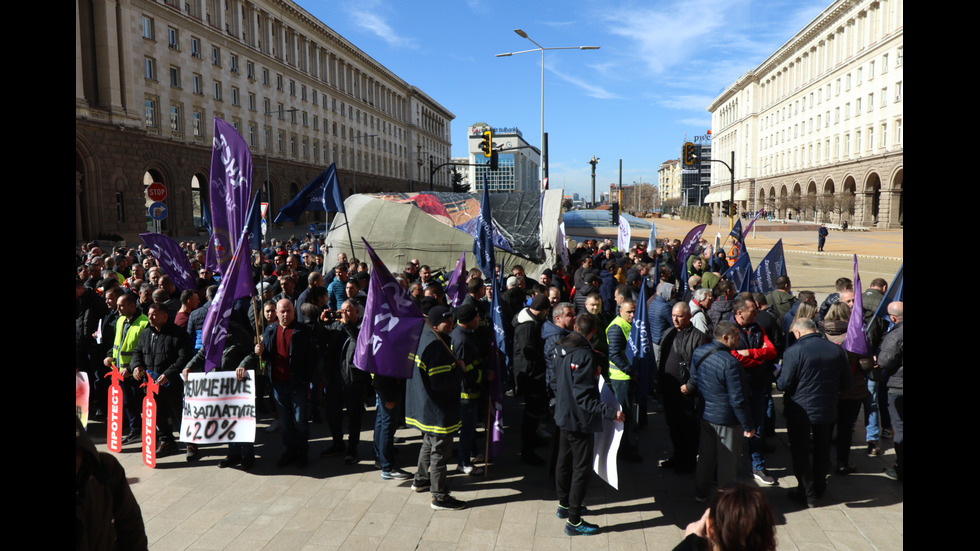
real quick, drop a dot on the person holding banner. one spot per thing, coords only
(161, 353)
(237, 356)
(578, 414)
(127, 331)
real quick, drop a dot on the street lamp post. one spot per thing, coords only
(540, 48)
(268, 138)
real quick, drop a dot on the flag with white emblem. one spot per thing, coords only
(391, 327)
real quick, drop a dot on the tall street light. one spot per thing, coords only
(540, 48)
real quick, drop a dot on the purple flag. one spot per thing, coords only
(391, 326)
(752, 223)
(687, 247)
(231, 193)
(210, 260)
(856, 341)
(216, 321)
(456, 284)
(172, 258)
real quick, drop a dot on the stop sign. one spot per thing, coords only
(156, 191)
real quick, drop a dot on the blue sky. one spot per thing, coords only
(659, 65)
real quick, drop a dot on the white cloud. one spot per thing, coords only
(591, 90)
(366, 16)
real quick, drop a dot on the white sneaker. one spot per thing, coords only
(273, 427)
(470, 470)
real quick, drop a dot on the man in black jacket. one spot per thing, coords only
(529, 372)
(674, 366)
(578, 414)
(815, 372)
(162, 352)
(348, 384)
(891, 359)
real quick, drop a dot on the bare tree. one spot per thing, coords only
(843, 204)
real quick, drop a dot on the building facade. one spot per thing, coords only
(817, 128)
(151, 75)
(669, 180)
(518, 161)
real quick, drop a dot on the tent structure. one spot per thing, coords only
(437, 227)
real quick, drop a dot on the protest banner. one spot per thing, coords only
(218, 408)
(150, 423)
(113, 426)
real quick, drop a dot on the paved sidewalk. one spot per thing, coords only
(330, 505)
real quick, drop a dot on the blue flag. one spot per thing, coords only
(737, 232)
(895, 292)
(652, 240)
(740, 273)
(322, 194)
(253, 224)
(771, 267)
(483, 243)
(639, 349)
(498, 359)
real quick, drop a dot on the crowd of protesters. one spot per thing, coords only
(716, 354)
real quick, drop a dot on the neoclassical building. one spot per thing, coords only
(150, 76)
(817, 128)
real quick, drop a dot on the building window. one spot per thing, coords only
(305, 122)
(148, 28)
(251, 101)
(175, 77)
(250, 70)
(251, 135)
(265, 76)
(235, 99)
(316, 126)
(120, 207)
(195, 47)
(884, 63)
(898, 131)
(302, 92)
(292, 117)
(150, 68)
(196, 83)
(898, 58)
(280, 110)
(292, 87)
(314, 97)
(233, 59)
(150, 112)
(871, 70)
(857, 107)
(266, 106)
(172, 41)
(883, 132)
(898, 91)
(871, 102)
(279, 82)
(871, 138)
(196, 119)
(216, 56)
(217, 90)
(175, 125)
(883, 99)
(860, 78)
(281, 139)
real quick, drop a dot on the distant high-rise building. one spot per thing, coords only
(517, 160)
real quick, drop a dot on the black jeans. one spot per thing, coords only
(572, 470)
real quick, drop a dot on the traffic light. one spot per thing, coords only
(487, 144)
(687, 155)
(493, 161)
(726, 208)
(615, 214)
(734, 209)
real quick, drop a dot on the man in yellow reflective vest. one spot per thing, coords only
(621, 377)
(128, 328)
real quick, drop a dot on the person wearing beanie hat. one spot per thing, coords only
(432, 406)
